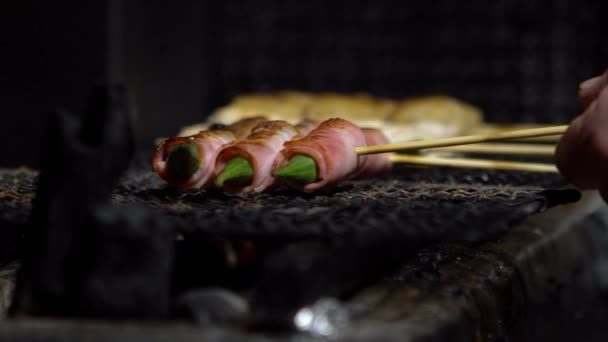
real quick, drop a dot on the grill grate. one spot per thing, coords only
(408, 200)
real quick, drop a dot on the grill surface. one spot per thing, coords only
(421, 205)
(459, 203)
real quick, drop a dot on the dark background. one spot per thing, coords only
(518, 60)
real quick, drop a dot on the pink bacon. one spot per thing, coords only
(208, 144)
(332, 145)
(374, 164)
(260, 148)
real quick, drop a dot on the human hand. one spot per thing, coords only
(582, 153)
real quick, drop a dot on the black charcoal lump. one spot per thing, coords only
(85, 256)
(127, 257)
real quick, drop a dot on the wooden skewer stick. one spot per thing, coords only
(473, 163)
(509, 149)
(464, 140)
(547, 139)
(496, 128)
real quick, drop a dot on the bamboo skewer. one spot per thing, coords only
(547, 139)
(463, 140)
(301, 170)
(496, 128)
(472, 163)
(508, 149)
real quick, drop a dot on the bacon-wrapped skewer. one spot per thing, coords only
(189, 162)
(246, 165)
(322, 158)
(301, 170)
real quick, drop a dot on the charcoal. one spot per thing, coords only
(311, 271)
(124, 266)
(212, 267)
(211, 306)
(7, 285)
(60, 208)
(83, 158)
(326, 317)
(370, 249)
(11, 235)
(218, 262)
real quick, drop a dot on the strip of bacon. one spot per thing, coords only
(306, 126)
(260, 148)
(207, 144)
(332, 146)
(242, 128)
(374, 164)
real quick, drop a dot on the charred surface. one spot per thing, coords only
(425, 198)
(80, 255)
(291, 250)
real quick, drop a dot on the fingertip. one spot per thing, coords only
(572, 157)
(588, 90)
(567, 143)
(590, 83)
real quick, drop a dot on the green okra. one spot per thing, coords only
(238, 171)
(300, 168)
(183, 161)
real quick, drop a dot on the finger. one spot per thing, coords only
(582, 154)
(589, 89)
(572, 157)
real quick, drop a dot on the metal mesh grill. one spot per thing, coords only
(424, 203)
